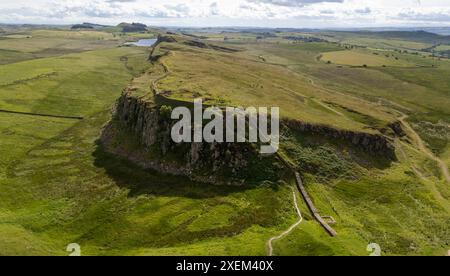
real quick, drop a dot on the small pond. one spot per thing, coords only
(143, 42)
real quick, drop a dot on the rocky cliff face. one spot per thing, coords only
(149, 127)
(141, 132)
(375, 144)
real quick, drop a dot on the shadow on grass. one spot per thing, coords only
(141, 181)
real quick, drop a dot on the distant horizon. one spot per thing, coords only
(416, 27)
(307, 14)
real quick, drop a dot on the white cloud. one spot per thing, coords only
(276, 13)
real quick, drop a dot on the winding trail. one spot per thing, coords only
(328, 107)
(402, 119)
(287, 232)
(423, 148)
(425, 180)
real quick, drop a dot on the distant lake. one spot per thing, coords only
(143, 42)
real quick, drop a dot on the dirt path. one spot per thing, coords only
(328, 107)
(313, 83)
(287, 232)
(423, 148)
(419, 142)
(428, 182)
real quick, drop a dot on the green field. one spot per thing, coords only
(387, 43)
(30, 44)
(442, 48)
(59, 186)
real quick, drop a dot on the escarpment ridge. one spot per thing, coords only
(147, 127)
(141, 131)
(376, 144)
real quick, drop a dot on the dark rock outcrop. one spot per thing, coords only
(149, 127)
(157, 53)
(398, 129)
(165, 38)
(141, 132)
(203, 45)
(376, 144)
(133, 27)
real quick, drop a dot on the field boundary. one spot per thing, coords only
(41, 115)
(311, 206)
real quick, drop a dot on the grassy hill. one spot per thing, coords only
(417, 36)
(240, 79)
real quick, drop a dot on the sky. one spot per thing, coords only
(255, 13)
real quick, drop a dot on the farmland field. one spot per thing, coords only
(387, 43)
(442, 48)
(354, 58)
